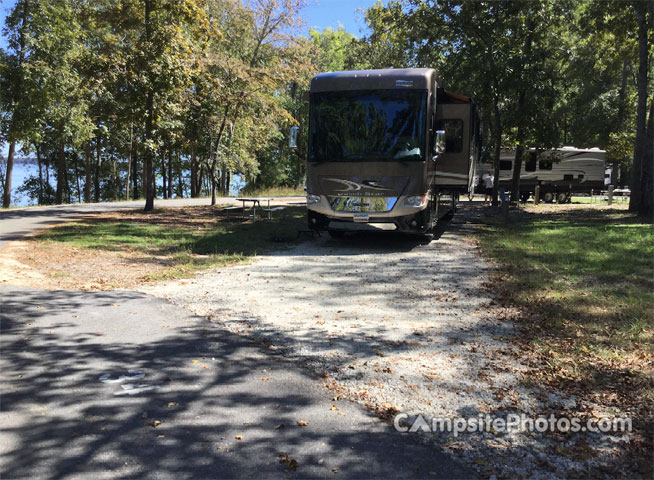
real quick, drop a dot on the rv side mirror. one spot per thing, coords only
(292, 138)
(439, 142)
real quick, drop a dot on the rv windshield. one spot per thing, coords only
(386, 125)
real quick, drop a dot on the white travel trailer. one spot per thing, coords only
(559, 173)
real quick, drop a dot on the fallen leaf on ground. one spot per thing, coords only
(302, 423)
(154, 423)
(239, 437)
(289, 462)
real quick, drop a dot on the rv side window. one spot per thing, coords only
(453, 134)
(530, 166)
(545, 165)
(506, 164)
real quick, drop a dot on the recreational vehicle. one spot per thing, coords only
(388, 149)
(559, 173)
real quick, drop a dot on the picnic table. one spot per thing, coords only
(252, 203)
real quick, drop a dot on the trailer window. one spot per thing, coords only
(545, 165)
(530, 166)
(453, 134)
(506, 164)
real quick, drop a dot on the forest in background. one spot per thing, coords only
(166, 98)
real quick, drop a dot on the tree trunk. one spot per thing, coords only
(144, 180)
(164, 175)
(213, 184)
(38, 161)
(87, 173)
(47, 171)
(98, 165)
(498, 149)
(194, 174)
(129, 164)
(170, 173)
(149, 104)
(637, 202)
(522, 118)
(517, 163)
(647, 183)
(135, 177)
(6, 198)
(180, 192)
(61, 174)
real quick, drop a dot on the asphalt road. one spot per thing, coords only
(227, 407)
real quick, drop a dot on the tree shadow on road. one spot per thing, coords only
(205, 419)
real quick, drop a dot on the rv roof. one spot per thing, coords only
(411, 78)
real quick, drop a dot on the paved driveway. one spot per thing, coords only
(193, 400)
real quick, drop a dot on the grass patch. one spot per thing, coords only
(180, 241)
(585, 279)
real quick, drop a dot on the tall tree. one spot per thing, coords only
(12, 80)
(642, 179)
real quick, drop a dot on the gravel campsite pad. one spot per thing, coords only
(399, 325)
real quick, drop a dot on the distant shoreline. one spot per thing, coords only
(21, 160)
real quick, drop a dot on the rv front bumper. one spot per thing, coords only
(405, 214)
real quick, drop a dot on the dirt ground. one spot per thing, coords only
(53, 266)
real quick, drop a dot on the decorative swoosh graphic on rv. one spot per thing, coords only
(354, 186)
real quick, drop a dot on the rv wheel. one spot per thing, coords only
(548, 197)
(561, 197)
(524, 196)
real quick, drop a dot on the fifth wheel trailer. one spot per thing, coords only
(559, 173)
(387, 149)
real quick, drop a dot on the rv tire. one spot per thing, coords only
(548, 197)
(562, 197)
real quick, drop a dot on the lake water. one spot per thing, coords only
(24, 168)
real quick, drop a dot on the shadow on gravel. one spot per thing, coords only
(60, 420)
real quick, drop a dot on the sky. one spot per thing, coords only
(318, 14)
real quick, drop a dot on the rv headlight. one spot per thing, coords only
(311, 199)
(415, 201)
